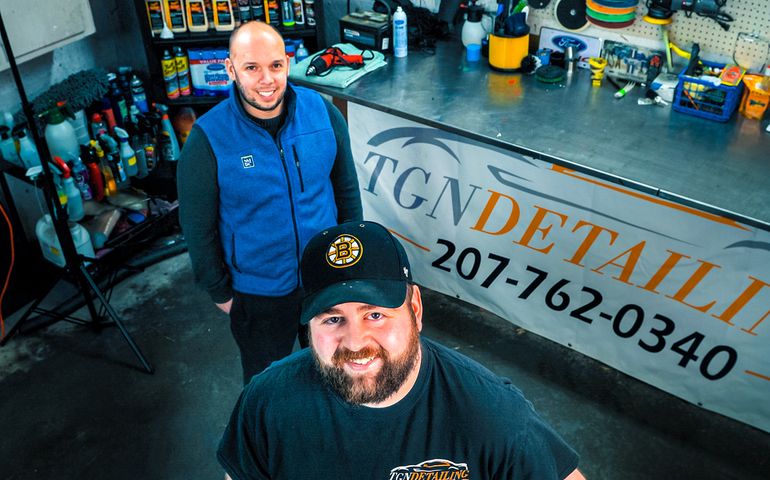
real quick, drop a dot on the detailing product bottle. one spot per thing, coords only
(399, 33)
(60, 136)
(473, 31)
(310, 13)
(127, 155)
(74, 198)
(117, 100)
(168, 64)
(80, 175)
(302, 52)
(182, 71)
(27, 150)
(155, 15)
(175, 15)
(8, 147)
(271, 13)
(196, 16)
(258, 10)
(287, 13)
(97, 126)
(112, 156)
(183, 121)
(168, 140)
(110, 186)
(299, 12)
(138, 95)
(49, 242)
(244, 10)
(95, 181)
(223, 15)
(107, 115)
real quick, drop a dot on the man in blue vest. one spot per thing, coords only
(259, 175)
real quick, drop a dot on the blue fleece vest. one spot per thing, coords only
(273, 195)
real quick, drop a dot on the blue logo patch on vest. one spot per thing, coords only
(248, 161)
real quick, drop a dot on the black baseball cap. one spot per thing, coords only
(353, 262)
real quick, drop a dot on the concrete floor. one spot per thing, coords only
(74, 404)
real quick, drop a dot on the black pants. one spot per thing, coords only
(265, 328)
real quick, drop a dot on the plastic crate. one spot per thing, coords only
(700, 98)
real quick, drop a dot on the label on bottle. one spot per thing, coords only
(197, 14)
(222, 14)
(176, 15)
(155, 15)
(131, 161)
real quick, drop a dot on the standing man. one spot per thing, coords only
(259, 175)
(372, 400)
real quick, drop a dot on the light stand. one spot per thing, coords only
(75, 266)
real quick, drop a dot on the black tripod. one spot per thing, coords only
(75, 267)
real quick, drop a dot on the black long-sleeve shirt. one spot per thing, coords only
(199, 200)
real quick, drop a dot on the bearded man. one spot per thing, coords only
(371, 399)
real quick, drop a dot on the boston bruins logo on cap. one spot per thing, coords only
(344, 251)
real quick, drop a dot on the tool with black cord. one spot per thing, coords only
(659, 12)
(323, 62)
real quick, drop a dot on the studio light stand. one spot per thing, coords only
(75, 265)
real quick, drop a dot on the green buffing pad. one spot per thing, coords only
(550, 74)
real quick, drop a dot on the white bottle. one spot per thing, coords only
(49, 241)
(60, 136)
(28, 151)
(399, 33)
(127, 154)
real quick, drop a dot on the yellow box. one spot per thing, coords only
(754, 101)
(506, 53)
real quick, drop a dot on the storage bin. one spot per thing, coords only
(701, 98)
(755, 100)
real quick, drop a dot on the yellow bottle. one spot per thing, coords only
(196, 16)
(223, 15)
(155, 14)
(175, 15)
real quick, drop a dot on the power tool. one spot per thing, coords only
(323, 63)
(659, 12)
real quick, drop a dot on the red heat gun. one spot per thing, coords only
(332, 57)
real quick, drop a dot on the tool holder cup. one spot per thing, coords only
(509, 46)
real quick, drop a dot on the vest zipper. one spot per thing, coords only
(299, 169)
(293, 214)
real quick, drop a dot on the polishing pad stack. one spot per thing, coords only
(611, 13)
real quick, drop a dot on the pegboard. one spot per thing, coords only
(750, 16)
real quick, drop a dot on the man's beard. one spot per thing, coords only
(251, 100)
(365, 389)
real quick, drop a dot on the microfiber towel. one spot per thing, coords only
(339, 77)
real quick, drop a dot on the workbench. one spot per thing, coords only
(721, 168)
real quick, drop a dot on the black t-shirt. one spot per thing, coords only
(459, 421)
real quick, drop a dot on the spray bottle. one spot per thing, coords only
(95, 181)
(182, 71)
(168, 141)
(8, 147)
(60, 135)
(110, 186)
(27, 150)
(112, 156)
(74, 199)
(80, 175)
(138, 94)
(127, 155)
(168, 65)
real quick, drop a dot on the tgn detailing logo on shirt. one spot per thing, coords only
(437, 469)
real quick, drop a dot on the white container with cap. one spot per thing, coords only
(49, 241)
(399, 33)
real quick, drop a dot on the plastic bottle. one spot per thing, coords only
(95, 181)
(168, 65)
(196, 16)
(75, 208)
(175, 15)
(108, 116)
(400, 48)
(272, 15)
(98, 127)
(473, 31)
(27, 150)
(8, 147)
(258, 10)
(112, 157)
(244, 10)
(223, 15)
(138, 94)
(182, 71)
(127, 155)
(110, 186)
(169, 143)
(117, 100)
(299, 12)
(310, 13)
(155, 15)
(60, 136)
(80, 175)
(287, 13)
(49, 241)
(302, 52)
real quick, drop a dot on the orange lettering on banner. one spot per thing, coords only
(535, 226)
(588, 242)
(513, 217)
(633, 254)
(692, 282)
(740, 302)
(663, 271)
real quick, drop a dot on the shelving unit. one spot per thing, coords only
(154, 47)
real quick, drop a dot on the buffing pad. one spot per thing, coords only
(549, 74)
(571, 14)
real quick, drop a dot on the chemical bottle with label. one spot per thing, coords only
(155, 15)
(287, 13)
(196, 16)
(75, 209)
(60, 136)
(138, 94)
(224, 19)
(117, 100)
(258, 10)
(299, 12)
(27, 150)
(176, 17)
(244, 10)
(8, 147)
(168, 142)
(49, 241)
(80, 175)
(302, 52)
(400, 48)
(127, 155)
(135, 142)
(112, 158)
(98, 127)
(168, 65)
(272, 13)
(110, 186)
(310, 13)
(95, 181)
(182, 71)
(108, 117)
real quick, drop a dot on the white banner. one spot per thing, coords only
(674, 296)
